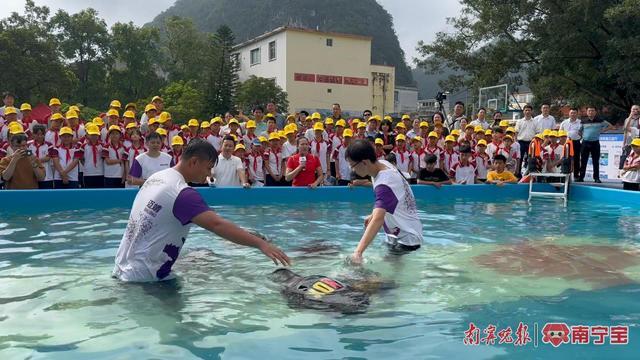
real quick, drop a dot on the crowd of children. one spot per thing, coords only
(122, 149)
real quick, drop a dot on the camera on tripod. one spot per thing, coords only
(441, 96)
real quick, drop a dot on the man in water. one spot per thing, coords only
(395, 205)
(162, 213)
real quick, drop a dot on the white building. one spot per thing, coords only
(405, 99)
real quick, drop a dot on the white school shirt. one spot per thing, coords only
(483, 123)
(631, 176)
(450, 158)
(143, 166)
(463, 174)
(552, 154)
(52, 137)
(343, 165)
(41, 151)
(288, 150)
(438, 152)
(226, 171)
(274, 160)
(215, 140)
(482, 165)
(493, 150)
(394, 195)
(256, 166)
(66, 156)
(403, 159)
(114, 153)
(93, 160)
(157, 229)
(320, 149)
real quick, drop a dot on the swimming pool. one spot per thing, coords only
(487, 259)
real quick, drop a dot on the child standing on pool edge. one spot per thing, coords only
(395, 206)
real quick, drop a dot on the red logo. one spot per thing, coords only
(555, 334)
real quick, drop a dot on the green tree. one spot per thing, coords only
(222, 79)
(258, 91)
(185, 48)
(29, 59)
(84, 41)
(572, 51)
(135, 71)
(184, 100)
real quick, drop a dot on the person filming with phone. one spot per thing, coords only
(21, 170)
(304, 168)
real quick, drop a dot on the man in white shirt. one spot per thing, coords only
(525, 130)
(573, 127)
(161, 216)
(545, 121)
(229, 170)
(481, 119)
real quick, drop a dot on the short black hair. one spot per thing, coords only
(153, 136)
(200, 149)
(430, 159)
(545, 103)
(498, 130)
(483, 109)
(528, 106)
(258, 108)
(459, 103)
(592, 107)
(304, 112)
(386, 122)
(574, 109)
(466, 149)
(360, 150)
(229, 137)
(8, 94)
(39, 128)
(391, 157)
(500, 157)
(18, 138)
(367, 111)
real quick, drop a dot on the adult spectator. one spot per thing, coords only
(280, 118)
(573, 127)
(457, 120)
(303, 168)
(336, 112)
(481, 119)
(150, 161)
(9, 102)
(592, 126)
(525, 130)
(631, 131)
(229, 170)
(497, 117)
(22, 169)
(544, 121)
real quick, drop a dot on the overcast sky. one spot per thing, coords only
(414, 20)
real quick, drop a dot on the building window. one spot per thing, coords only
(272, 51)
(329, 42)
(236, 59)
(329, 91)
(255, 56)
(396, 96)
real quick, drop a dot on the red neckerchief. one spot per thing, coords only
(56, 137)
(68, 157)
(35, 143)
(176, 157)
(136, 151)
(434, 149)
(419, 152)
(251, 136)
(497, 148)
(553, 151)
(401, 153)
(317, 146)
(275, 152)
(94, 149)
(255, 162)
(116, 148)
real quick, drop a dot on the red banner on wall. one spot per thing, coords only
(329, 79)
(356, 81)
(304, 77)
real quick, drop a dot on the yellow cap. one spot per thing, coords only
(375, 117)
(193, 122)
(57, 116)
(114, 128)
(54, 101)
(92, 129)
(153, 120)
(10, 110)
(316, 115)
(406, 117)
(318, 126)
(361, 125)
(233, 121)
(115, 104)
(433, 134)
(348, 133)
(129, 114)
(157, 98)
(262, 139)
(133, 105)
(161, 131)
(74, 108)
(355, 122)
(455, 132)
(389, 118)
(288, 131)
(635, 142)
(66, 131)
(274, 136)
(488, 132)
(216, 120)
(113, 112)
(478, 128)
(401, 125)
(540, 136)
(504, 123)
(450, 138)
(16, 128)
(509, 137)
(164, 117)
(417, 138)
(25, 107)
(177, 140)
(482, 142)
(546, 132)
(562, 133)
(71, 114)
(150, 107)
(401, 137)
(328, 121)
(378, 141)
(239, 147)
(341, 122)
(96, 121)
(282, 135)
(424, 124)
(251, 124)
(511, 130)
(291, 116)
(131, 125)
(205, 124)
(184, 127)
(294, 127)
(553, 133)
(469, 126)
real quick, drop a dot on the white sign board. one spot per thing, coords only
(610, 152)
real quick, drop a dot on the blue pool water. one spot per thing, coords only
(498, 263)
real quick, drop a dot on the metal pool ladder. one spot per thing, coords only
(564, 195)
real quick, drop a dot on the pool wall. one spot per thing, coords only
(39, 201)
